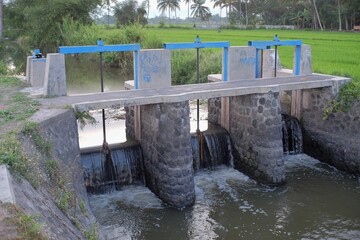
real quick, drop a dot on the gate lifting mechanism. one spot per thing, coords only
(197, 45)
(261, 45)
(101, 48)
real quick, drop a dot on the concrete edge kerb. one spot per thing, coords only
(86, 106)
(7, 193)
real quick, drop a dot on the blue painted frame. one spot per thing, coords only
(260, 45)
(198, 44)
(100, 48)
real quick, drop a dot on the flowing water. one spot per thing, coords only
(317, 202)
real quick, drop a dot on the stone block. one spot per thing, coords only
(154, 68)
(268, 67)
(55, 75)
(28, 69)
(6, 193)
(305, 60)
(242, 63)
(37, 72)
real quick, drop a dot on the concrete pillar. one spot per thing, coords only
(28, 69)
(154, 71)
(255, 129)
(242, 63)
(268, 69)
(35, 71)
(167, 153)
(305, 60)
(154, 68)
(55, 75)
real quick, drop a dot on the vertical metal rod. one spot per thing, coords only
(102, 90)
(198, 80)
(262, 63)
(276, 50)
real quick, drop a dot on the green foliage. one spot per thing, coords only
(64, 200)
(39, 22)
(183, 65)
(32, 130)
(128, 12)
(84, 118)
(18, 107)
(6, 81)
(349, 93)
(12, 155)
(52, 169)
(82, 207)
(3, 68)
(26, 225)
(92, 234)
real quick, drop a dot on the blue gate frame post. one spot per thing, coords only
(261, 45)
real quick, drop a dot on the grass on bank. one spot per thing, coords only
(35, 165)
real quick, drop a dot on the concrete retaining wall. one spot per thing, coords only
(166, 145)
(58, 127)
(334, 140)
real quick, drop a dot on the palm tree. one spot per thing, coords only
(188, 3)
(170, 5)
(147, 3)
(199, 10)
(219, 3)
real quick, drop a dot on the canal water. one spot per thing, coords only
(317, 202)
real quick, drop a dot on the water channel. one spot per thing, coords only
(317, 202)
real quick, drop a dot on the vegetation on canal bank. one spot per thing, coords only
(29, 155)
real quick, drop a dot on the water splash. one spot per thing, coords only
(102, 175)
(212, 148)
(292, 135)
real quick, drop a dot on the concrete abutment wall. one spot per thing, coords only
(334, 139)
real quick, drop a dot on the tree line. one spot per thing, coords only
(40, 22)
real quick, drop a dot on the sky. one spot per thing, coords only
(183, 13)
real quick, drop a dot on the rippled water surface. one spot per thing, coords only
(317, 202)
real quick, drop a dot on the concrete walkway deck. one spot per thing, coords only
(85, 102)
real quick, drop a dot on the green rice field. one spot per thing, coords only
(336, 53)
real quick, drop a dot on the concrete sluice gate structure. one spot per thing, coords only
(246, 107)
